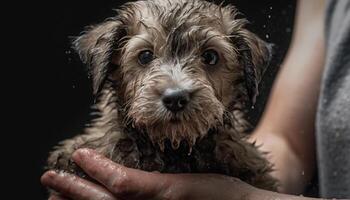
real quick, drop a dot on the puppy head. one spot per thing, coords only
(179, 64)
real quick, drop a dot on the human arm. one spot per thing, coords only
(287, 129)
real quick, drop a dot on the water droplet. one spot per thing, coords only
(270, 7)
(269, 16)
(267, 36)
(264, 26)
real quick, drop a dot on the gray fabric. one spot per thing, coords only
(333, 117)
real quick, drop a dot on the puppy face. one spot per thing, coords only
(178, 64)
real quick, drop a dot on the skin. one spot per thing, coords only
(286, 131)
(287, 126)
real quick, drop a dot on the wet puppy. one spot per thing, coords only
(173, 79)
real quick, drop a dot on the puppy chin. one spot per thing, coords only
(178, 131)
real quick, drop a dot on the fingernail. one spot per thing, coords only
(47, 177)
(81, 153)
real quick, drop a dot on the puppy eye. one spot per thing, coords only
(145, 57)
(210, 57)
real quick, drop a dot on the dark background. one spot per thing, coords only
(51, 88)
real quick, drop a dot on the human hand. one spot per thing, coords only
(118, 182)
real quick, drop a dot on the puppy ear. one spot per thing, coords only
(254, 56)
(96, 47)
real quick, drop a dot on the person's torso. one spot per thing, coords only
(333, 117)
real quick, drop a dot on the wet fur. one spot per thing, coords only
(134, 129)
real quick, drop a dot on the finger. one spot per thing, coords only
(74, 187)
(120, 180)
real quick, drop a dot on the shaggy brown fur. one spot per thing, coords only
(135, 128)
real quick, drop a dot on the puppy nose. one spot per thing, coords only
(175, 99)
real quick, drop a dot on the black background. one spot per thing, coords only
(49, 88)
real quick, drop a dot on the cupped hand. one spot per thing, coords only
(116, 182)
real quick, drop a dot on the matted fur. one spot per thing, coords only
(135, 129)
